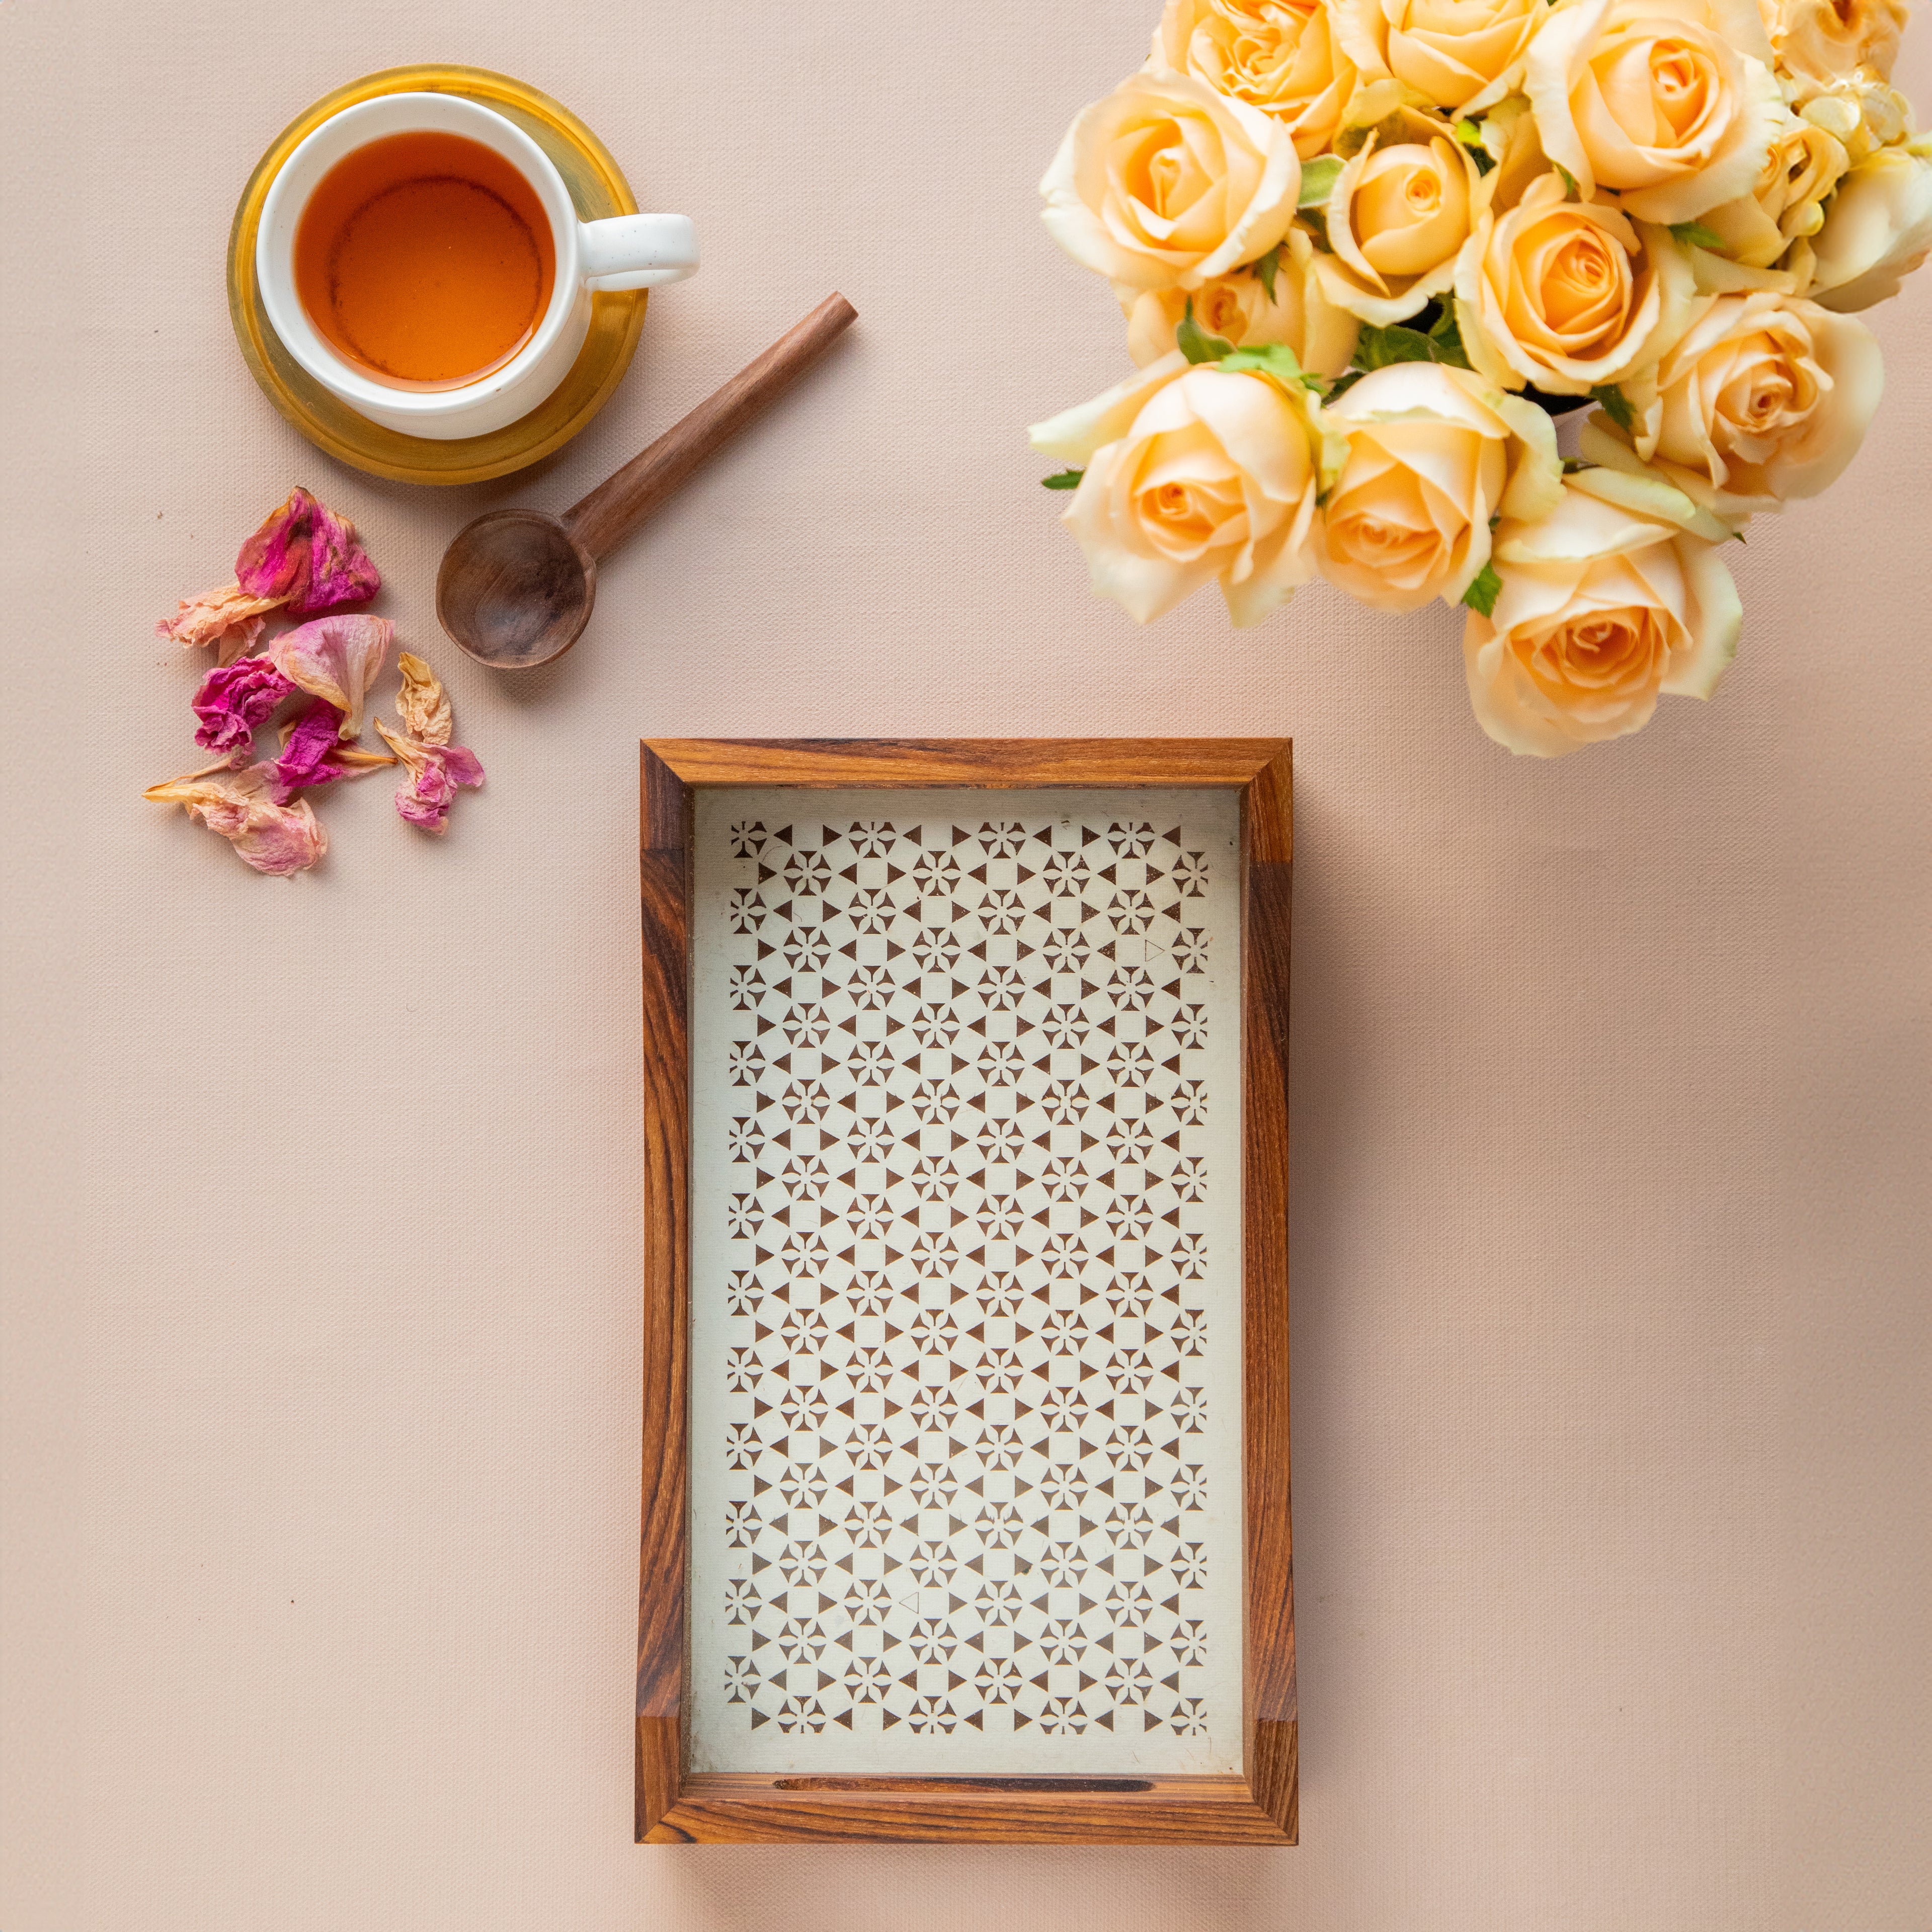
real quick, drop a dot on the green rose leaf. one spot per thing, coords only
(1484, 591)
(1276, 359)
(1318, 178)
(1268, 267)
(1616, 407)
(1196, 343)
(1063, 479)
(1695, 234)
(1569, 179)
(1377, 348)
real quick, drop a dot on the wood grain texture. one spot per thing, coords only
(665, 885)
(1272, 1755)
(740, 1808)
(618, 505)
(1259, 1807)
(975, 763)
(1269, 809)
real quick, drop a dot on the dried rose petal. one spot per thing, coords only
(233, 700)
(312, 754)
(423, 702)
(274, 838)
(308, 557)
(228, 616)
(337, 658)
(435, 771)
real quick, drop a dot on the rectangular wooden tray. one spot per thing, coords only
(987, 1206)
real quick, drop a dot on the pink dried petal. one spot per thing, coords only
(228, 616)
(337, 658)
(305, 759)
(306, 556)
(435, 772)
(274, 838)
(423, 702)
(234, 699)
(312, 755)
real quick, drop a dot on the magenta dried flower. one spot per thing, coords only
(308, 558)
(233, 700)
(313, 753)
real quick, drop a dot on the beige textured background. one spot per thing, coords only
(321, 1199)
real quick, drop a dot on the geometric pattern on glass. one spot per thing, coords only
(968, 1227)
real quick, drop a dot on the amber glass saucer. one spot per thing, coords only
(597, 186)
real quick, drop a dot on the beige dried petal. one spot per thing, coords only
(277, 839)
(423, 702)
(226, 616)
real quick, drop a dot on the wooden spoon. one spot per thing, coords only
(516, 586)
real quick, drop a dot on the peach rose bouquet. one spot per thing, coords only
(1370, 254)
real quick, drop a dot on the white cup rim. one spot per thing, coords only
(297, 178)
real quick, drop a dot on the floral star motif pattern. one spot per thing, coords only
(967, 1224)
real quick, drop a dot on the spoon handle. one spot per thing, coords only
(625, 498)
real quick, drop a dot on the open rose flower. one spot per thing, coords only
(235, 698)
(1281, 56)
(1615, 598)
(272, 837)
(337, 658)
(1434, 455)
(1166, 183)
(308, 558)
(1248, 308)
(1463, 55)
(1196, 475)
(1786, 204)
(1670, 104)
(1819, 41)
(1397, 217)
(1569, 296)
(1762, 399)
(1877, 229)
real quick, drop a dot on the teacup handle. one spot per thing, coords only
(638, 251)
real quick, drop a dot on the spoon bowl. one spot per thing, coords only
(516, 586)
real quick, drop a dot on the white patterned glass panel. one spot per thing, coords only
(966, 1282)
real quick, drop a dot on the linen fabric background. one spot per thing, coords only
(322, 1199)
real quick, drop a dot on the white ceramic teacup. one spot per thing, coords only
(628, 251)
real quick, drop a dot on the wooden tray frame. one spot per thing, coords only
(675, 1806)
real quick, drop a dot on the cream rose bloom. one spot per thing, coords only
(1281, 57)
(1463, 55)
(1877, 229)
(1434, 453)
(1240, 309)
(1195, 474)
(1610, 600)
(1818, 40)
(1568, 295)
(1396, 219)
(1166, 183)
(1764, 398)
(1670, 104)
(1786, 204)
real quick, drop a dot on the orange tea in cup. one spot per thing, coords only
(424, 259)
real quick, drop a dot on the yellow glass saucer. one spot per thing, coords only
(597, 186)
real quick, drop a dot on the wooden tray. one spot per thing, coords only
(597, 186)
(966, 1451)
